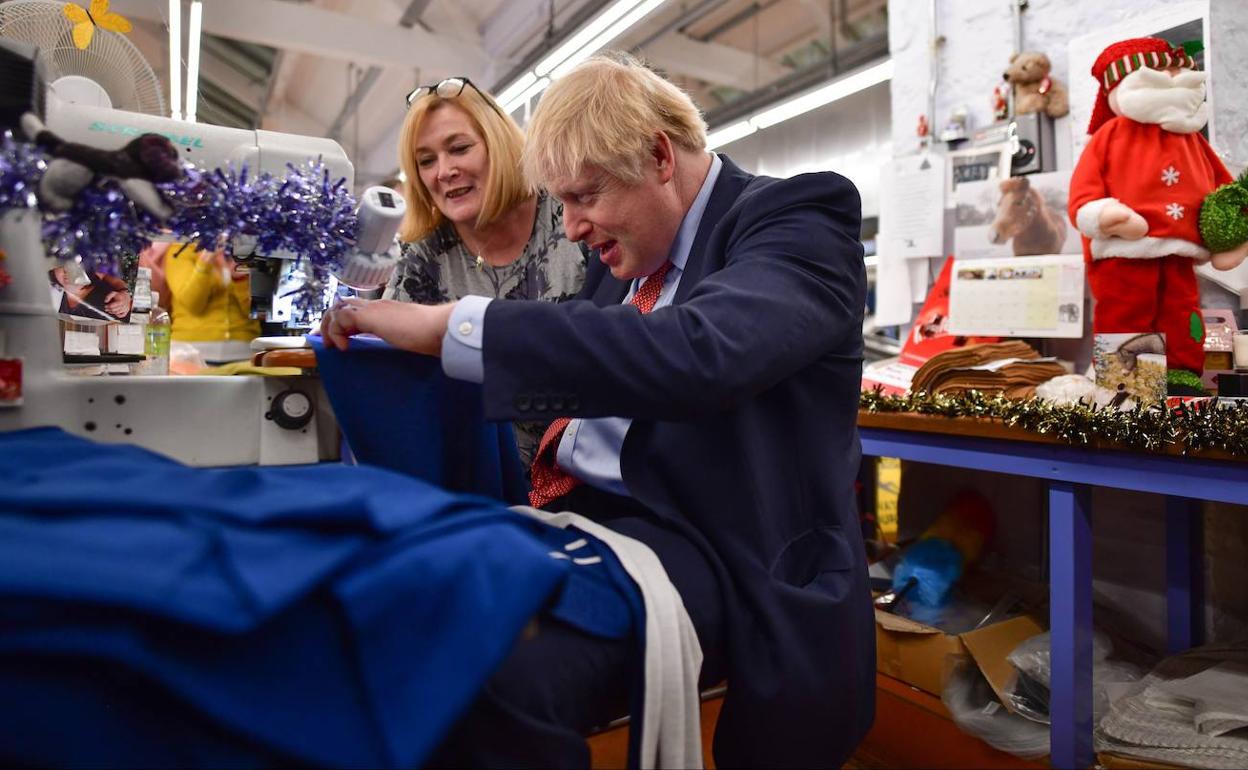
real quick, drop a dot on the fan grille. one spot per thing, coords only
(111, 60)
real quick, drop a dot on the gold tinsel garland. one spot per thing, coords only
(1192, 426)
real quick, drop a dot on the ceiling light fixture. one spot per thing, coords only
(192, 59)
(588, 40)
(730, 133)
(824, 95)
(175, 59)
(534, 89)
(517, 87)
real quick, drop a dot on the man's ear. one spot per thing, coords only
(663, 154)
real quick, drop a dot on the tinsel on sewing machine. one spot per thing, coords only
(305, 214)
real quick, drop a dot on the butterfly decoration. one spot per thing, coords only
(85, 21)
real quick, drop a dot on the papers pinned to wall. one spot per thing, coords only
(912, 206)
(1018, 296)
(893, 302)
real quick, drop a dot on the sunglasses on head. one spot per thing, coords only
(450, 88)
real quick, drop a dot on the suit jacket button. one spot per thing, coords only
(574, 404)
(522, 403)
(556, 403)
(539, 404)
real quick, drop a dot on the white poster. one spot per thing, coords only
(912, 205)
(893, 306)
(1018, 297)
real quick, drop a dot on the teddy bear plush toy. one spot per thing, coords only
(1136, 197)
(1034, 89)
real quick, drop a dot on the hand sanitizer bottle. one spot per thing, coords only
(156, 347)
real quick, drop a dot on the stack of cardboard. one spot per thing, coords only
(1011, 368)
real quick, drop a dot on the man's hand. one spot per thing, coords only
(117, 303)
(1229, 260)
(1119, 220)
(418, 328)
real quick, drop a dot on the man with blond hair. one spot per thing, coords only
(704, 392)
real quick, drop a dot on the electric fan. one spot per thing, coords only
(111, 60)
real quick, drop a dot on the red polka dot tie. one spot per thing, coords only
(550, 482)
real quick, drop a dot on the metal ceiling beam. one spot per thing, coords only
(715, 63)
(737, 19)
(365, 84)
(680, 22)
(277, 82)
(549, 38)
(240, 85)
(512, 26)
(868, 51)
(306, 29)
(819, 16)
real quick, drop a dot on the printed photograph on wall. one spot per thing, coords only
(1022, 216)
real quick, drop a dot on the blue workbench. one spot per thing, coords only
(1070, 473)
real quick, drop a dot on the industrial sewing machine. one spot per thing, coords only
(198, 420)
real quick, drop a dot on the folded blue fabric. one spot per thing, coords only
(398, 410)
(154, 614)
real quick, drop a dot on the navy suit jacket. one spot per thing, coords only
(744, 397)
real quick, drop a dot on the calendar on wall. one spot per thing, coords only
(1018, 296)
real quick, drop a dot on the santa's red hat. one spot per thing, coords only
(1125, 57)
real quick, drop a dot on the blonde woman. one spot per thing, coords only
(474, 225)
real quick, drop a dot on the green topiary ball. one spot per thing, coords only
(1224, 216)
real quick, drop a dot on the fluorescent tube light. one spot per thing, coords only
(602, 29)
(585, 35)
(615, 30)
(515, 89)
(837, 89)
(175, 59)
(729, 134)
(192, 60)
(529, 93)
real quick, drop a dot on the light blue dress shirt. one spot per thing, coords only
(589, 448)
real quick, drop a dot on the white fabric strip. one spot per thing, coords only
(671, 725)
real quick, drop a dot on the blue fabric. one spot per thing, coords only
(154, 614)
(398, 411)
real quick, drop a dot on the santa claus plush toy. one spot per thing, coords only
(1136, 195)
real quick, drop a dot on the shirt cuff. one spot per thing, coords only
(462, 358)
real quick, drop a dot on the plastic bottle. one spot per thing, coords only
(156, 346)
(142, 299)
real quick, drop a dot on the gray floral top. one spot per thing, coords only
(439, 268)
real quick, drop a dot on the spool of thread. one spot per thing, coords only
(1239, 349)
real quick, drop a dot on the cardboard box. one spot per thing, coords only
(923, 655)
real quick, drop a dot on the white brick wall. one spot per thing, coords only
(979, 41)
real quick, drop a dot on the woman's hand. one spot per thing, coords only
(418, 328)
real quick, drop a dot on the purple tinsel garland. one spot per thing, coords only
(304, 215)
(21, 167)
